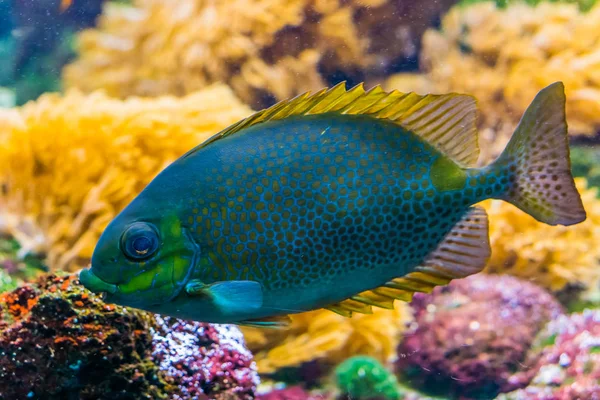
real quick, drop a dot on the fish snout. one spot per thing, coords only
(92, 282)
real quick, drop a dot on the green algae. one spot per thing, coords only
(363, 377)
(585, 162)
(14, 270)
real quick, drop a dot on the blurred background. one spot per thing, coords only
(97, 97)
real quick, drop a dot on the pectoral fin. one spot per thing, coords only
(230, 296)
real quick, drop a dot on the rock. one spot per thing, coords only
(569, 365)
(59, 341)
(472, 336)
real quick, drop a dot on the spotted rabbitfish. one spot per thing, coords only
(343, 199)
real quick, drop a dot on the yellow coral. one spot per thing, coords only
(526, 248)
(323, 334)
(261, 48)
(69, 164)
(505, 56)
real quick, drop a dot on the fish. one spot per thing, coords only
(342, 199)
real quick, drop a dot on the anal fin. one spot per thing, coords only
(463, 252)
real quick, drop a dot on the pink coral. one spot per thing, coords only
(473, 335)
(204, 359)
(569, 368)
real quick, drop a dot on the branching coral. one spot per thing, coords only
(262, 48)
(551, 258)
(322, 334)
(69, 164)
(504, 56)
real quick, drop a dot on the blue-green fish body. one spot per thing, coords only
(340, 208)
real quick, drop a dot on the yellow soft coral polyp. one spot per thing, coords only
(263, 49)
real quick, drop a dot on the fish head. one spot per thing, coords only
(141, 262)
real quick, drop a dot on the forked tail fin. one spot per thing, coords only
(537, 162)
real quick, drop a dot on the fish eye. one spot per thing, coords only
(139, 241)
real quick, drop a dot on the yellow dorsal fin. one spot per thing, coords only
(463, 252)
(447, 121)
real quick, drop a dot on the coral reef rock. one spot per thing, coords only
(473, 335)
(59, 341)
(569, 368)
(324, 335)
(60, 190)
(505, 55)
(551, 258)
(264, 49)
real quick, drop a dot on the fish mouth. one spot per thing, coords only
(91, 282)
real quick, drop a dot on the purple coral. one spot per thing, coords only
(59, 341)
(569, 366)
(473, 335)
(204, 359)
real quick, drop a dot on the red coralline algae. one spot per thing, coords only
(59, 341)
(569, 366)
(52, 348)
(473, 335)
(204, 359)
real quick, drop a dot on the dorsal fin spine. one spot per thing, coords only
(336, 93)
(345, 105)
